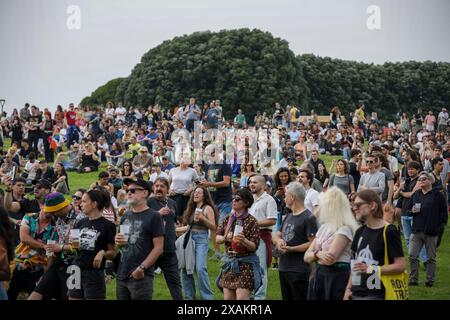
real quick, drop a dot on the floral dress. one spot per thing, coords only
(244, 280)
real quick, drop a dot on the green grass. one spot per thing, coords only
(440, 291)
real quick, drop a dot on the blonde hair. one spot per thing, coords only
(335, 210)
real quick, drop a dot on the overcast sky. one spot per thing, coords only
(45, 63)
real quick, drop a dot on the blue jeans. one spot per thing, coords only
(261, 252)
(3, 295)
(224, 209)
(201, 240)
(346, 153)
(71, 135)
(407, 230)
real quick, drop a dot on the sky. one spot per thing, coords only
(45, 62)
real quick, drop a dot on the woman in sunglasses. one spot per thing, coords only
(76, 204)
(240, 272)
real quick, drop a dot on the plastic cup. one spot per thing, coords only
(237, 230)
(125, 231)
(356, 276)
(75, 237)
(49, 253)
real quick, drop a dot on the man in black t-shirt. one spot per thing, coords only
(45, 172)
(218, 182)
(168, 261)
(142, 247)
(33, 126)
(19, 208)
(299, 228)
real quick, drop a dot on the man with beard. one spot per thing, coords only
(264, 209)
(168, 261)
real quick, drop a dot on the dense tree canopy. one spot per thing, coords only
(103, 94)
(252, 70)
(387, 89)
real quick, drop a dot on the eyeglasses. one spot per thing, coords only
(358, 204)
(76, 198)
(132, 190)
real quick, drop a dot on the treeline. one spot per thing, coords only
(251, 70)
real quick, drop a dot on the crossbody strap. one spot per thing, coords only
(386, 257)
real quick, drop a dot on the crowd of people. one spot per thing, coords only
(175, 182)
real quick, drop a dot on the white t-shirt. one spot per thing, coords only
(393, 163)
(182, 179)
(155, 175)
(283, 164)
(311, 199)
(264, 208)
(294, 135)
(120, 113)
(109, 112)
(325, 237)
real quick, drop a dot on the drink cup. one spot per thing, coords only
(237, 230)
(125, 231)
(198, 213)
(75, 238)
(417, 206)
(49, 253)
(356, 276)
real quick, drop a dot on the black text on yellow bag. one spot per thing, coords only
(396, 285)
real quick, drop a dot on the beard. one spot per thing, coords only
(132, 202)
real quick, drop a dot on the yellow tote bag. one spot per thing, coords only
(396, 285)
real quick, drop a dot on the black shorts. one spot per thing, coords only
(53, 283)
(93, 285)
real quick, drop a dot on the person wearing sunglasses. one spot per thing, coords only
(143, 246)
(76, 204)
(429, 210)
(368, 249)
(374, 179)
(240, 272)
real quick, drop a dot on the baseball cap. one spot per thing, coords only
(139, 182)
(44, 183)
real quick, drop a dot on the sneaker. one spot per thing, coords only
(429, 284)
(275, 266)
(413, 283)
(158, 271)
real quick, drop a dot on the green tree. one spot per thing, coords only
(103, 94)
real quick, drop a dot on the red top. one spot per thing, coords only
(71, 117)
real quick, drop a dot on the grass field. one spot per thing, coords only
(440, 291)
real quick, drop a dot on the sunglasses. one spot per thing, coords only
(358, 204)
(133, 190)
(237, 199)
(76, 198)
(422, 179)
(371, 161)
